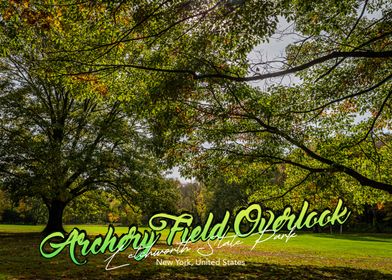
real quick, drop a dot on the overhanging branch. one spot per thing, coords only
(197, 76)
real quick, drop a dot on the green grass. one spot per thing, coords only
(307, 256)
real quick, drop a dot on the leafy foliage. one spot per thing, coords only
(334, 123)
(131, 78)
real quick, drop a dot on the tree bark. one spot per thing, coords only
(55, 221)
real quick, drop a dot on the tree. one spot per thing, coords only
(342, 58)
(337, 119)
(68, 128)
(191, 59)
(57, 147)
(5, 203)
(192, 201)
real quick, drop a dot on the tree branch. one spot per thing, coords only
(196, 76)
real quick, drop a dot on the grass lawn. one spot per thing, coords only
(307, 256)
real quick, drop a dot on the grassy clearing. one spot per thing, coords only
(307, 256)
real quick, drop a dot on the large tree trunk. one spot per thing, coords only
(55, 221)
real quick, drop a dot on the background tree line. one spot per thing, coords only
(199, 199)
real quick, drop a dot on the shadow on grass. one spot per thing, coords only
(387, 238)
(248, 271)
(257, 271)
(20, 259)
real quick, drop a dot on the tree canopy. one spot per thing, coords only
(57, 143)
(336, 119)
(89, 74)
